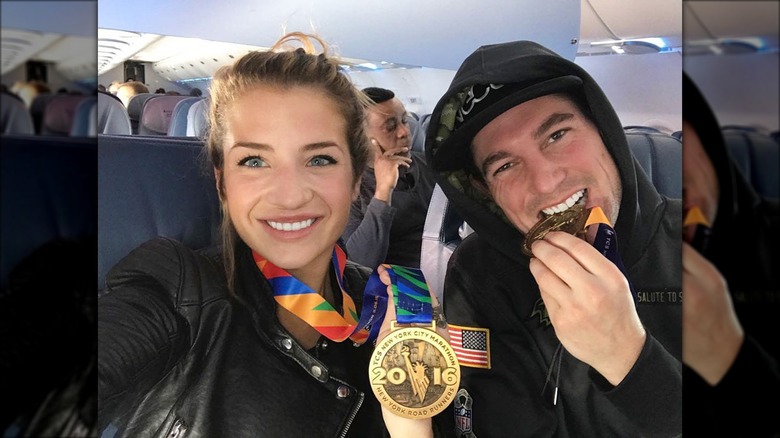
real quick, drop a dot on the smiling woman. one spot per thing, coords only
(287, 147)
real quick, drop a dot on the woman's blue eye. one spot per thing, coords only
(322, 160)
(252, 162)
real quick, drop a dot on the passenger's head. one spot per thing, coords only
(541, 156)
(528, 131)
(387, 120)
(130, 89)
(159, 91)
(705, 158)
(287, 144)
(196, 92)
(28, 91)
(114, 86)
(700, 182)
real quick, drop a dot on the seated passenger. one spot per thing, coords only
(581, 335)
(129, 89)
(731, 312)
(387, 219)
(201, 344)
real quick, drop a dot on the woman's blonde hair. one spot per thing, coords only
(284, 66)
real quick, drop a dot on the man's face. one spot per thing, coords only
(543, 156)
(700, 182)
(388, 123)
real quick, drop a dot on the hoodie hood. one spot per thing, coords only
(496, 78)
(732, 185)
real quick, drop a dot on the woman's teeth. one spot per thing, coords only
(565, 205)
(290, 226)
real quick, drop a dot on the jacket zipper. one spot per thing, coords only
(352, 414)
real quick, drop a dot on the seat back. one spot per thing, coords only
(14, 117)
(660, 157)
(149, 187)
(156, 115)
(757, 156)
(178, 125)
(135, 107)
(41, 202)
(59, 114)
(112, 117)
(84, 123)
(197, 118)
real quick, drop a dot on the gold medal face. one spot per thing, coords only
(414, 372)
(571, 221)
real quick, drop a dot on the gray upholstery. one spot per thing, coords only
(197, 119)
(84, 123)
(156, 115)
(14, 117)
(757, 156)
(152, 186)
(178, 126)
(112, 116)
(135, 108)
(59, 114)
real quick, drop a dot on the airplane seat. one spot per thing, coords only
(776, 136)
(41, 202)
(440, 238)
(83, 124)
(418, 135)
(14, 117)
(197, 119)
(60, 113)
(153, 186)
(156, 114)
(135, 107)
(178, 126)
(660, 158)
(757, 156)
(37, 107)
(112, 117)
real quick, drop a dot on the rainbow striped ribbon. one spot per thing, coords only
(293, 295)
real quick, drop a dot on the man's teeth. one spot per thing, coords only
(565, 205)
(290, 226)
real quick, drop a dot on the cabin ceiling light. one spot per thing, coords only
(635, 46)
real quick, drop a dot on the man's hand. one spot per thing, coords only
(712, 334)
(386, 164)
(589, 303)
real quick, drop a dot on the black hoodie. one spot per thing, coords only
(489, 286)
(743, 246)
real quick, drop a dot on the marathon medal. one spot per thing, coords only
(414, 372)
(571, 221)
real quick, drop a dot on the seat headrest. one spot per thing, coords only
(149, 187)
(59, 114)
(156, 115)
(660, 156)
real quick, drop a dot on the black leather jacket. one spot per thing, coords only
(180, 357)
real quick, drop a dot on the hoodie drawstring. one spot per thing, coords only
(555, 364)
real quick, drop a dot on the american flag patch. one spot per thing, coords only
(471, 345)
